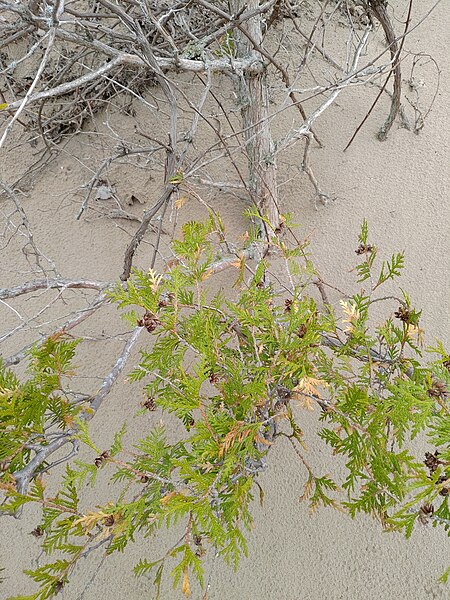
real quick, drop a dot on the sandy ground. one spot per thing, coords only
(401, 186)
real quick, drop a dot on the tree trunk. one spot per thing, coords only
(253, 95)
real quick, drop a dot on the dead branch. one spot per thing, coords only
(145, 222)
(24, 228)
(70, 324)
(345, 82)
(112, 377)
(25, 475)
(378, 9)
(307, 168)
(193, 66)
(28, 95)
(49, 284)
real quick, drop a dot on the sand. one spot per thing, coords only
(401, 186)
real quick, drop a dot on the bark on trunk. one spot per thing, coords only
(253, 96)
(379, 10)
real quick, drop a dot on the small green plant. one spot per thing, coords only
(238, 371)
(227, 46)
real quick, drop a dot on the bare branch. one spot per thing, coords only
(296, 134)
(25, 475)
(28, 95)
(70, 324)
(145, 222)
(112, 377)
(49, 284)
(165, 64)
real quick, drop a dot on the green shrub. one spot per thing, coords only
(237, 371)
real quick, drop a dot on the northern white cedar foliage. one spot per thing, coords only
(238, 374)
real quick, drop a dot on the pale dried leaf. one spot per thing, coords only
(185, 586)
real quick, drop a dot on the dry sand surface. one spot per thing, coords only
(402, 187)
